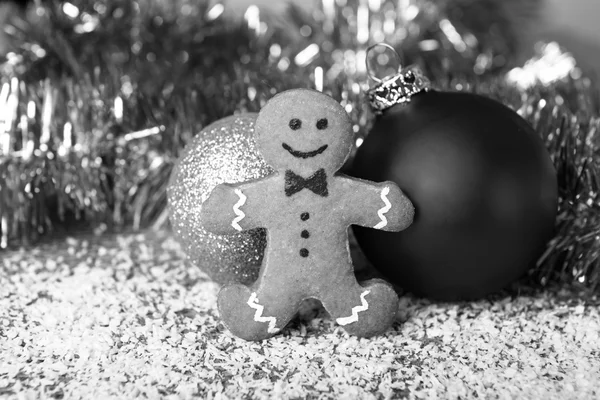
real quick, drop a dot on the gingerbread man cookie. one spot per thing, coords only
(306, 207)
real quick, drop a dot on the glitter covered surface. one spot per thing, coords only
(127, 317)
(222, 152)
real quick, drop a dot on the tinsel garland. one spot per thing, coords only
(98, 98)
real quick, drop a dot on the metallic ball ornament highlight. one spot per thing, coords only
(223, 152)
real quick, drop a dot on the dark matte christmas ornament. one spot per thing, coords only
(482, 183)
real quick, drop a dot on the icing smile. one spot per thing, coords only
(304, 154)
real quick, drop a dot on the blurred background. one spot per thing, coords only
(127, 83)
(572, 23)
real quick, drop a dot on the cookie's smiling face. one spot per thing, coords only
(304, 130)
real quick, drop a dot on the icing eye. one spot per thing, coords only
(295, 124)
(322, 123)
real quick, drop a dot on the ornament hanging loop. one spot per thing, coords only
(395, 89)
(388, 49)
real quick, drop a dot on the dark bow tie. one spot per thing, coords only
(317, 183)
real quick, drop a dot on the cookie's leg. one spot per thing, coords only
(255, 314)
(363, 310)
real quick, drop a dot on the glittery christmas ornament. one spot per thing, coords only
(223, 152)
(482, 183)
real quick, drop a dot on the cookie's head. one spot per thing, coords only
(304, 130)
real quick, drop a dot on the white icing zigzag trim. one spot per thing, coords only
(355, 310)
(236, 209)
(253, 302)
(385, 209)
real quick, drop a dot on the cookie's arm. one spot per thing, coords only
(378, 205)
(232, 208)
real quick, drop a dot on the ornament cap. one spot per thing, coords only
(397, 88)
